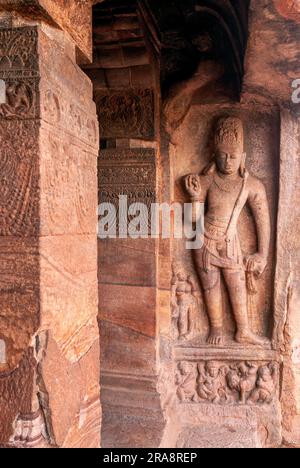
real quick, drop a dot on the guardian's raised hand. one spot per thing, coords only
(193, 186)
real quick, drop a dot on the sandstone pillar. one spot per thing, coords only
(49, 380)
(126, 93)
(287, 297)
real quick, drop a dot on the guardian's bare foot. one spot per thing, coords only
(247, 337)
(215, 337)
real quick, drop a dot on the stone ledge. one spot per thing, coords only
(231, 352)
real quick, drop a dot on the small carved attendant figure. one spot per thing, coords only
(210, 383)
(225, 187)
(184, 303)
(18, 100)
(242, 380)
(186, 381)
(265, 386)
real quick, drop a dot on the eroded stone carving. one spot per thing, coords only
(211, 385)
(127, 114)
(225, 186)
(127, 172)
(19, 188)
(15, 394)
(20, 71)
(18, 52)
(226, 384)
(185, 299)
(30, 430)
(33, 429)
(185, 381)
(59, 111)
(19, 100)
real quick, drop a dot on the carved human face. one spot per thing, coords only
(228, 160)
(213, 370)
(181, 276)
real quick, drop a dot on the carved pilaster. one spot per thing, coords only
(49, 148)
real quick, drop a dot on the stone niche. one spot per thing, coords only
(193, 153)
(221, 390)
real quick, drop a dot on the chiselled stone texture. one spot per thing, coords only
(127, 307)
(68, 246)
(19, 192)
(126, 114)
(287, 293)
(130, 173)
(73, 16)
(19, 295)
(20, 71)
(16, 389)
(19, 162)
(278, 23)
(135, 403)
(48, 200)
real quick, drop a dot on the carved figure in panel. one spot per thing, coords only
(265, 387)
(19, 100)
(185, 297)
(225, 186)
(186, 381)
(211, 383)
(241, 379)
(126, 114)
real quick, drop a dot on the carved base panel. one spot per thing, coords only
(216, 426)
(227, 397)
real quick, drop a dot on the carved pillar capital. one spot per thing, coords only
(73, 17)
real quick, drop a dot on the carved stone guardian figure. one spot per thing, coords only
(225, 186)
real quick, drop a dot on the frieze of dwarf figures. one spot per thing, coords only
(226, 384)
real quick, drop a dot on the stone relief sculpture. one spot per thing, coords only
(242, 379)
(225, 186)
(265, 387)
(185, 299)
(226, 384)
(185, 381)
(211, 384)
(19, 100)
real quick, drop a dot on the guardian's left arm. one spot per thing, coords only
(258, 202)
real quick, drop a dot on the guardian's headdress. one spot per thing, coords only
(229, 134)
